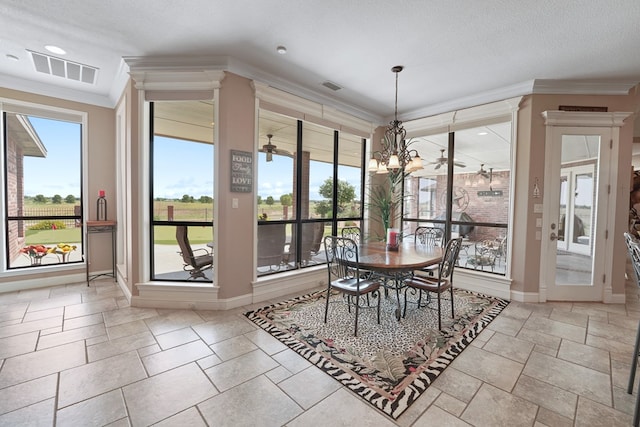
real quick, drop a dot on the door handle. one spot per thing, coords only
(553, 237)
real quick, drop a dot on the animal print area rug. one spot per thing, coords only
(389, 365)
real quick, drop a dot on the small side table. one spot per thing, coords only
(102, 227)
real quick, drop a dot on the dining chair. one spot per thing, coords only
(439, 284)
(633, 246)
(431, 236)
(345, 276)
(352, 232)
(485, 255)
(193, 263)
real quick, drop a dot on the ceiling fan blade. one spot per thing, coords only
(438, 165)
(459, 164)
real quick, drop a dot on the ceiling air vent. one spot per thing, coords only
(62, 68)
(331, 85)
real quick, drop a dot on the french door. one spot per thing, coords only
(577, 210)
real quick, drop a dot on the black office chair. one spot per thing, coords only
(346, 277)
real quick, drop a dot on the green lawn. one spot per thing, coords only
(49, 237)
(166, 235)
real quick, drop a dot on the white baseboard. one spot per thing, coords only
(278, 286)
(487, 284)
(21, 284)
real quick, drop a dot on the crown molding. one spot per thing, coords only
(584, 119)
(503, 93)
(583, 87)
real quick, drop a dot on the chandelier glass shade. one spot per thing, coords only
(395, 154)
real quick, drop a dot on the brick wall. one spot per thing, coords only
(15, 197)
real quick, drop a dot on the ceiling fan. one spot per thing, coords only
(483, 172)
(442, 160)
(272, 149)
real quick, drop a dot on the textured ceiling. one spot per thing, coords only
(451, 50)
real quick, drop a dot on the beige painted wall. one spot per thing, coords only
(234, 229)
(99, 171)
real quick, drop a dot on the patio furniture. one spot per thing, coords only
(194, 264)
(485, 255)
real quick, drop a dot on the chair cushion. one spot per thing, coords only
(350, 286)
(202, 261)
(428, 284)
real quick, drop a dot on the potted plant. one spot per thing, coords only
(385, 202)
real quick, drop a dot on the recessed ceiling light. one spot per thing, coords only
(12, 57)
(281, 50)
(483, 133)
(55, 49)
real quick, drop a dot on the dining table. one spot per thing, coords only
(394, 266)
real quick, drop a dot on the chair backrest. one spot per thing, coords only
(342, 258)
(429, 236)
(183, 242)
(633, 246)
(271, 241)
(352, 232)
(449, 258)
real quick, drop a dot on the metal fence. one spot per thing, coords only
(53, 211)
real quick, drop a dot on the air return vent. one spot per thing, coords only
(331, 85)
(62, 68)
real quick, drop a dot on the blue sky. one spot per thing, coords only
(181, 167)
(59, 172)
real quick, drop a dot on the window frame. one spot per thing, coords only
(50, 113)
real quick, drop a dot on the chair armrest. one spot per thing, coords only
(206, 252)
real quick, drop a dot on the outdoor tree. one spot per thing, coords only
(286, 200)
(270, 200)
(205, 199)
(322, 208)
(346, 193)
(40, 199)
(187, 199)
(259, 200)
(70, 199)
(56, 199)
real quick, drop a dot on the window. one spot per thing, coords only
(301, 166)
(182, 159)
(478, 177)
(42, 187)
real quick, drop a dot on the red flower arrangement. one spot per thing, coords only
(36, 252)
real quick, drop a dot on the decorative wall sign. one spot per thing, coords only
(491, 193)
(460, 199)
(241, 171)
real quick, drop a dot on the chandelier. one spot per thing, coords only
(395, 154)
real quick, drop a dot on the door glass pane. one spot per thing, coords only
(578, 192)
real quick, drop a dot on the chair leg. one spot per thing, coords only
(451, 291)
(439, 314)
(379, 298)
(355, 333)
(634, 362)
(326, 308)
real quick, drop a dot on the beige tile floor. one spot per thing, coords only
(78, 356)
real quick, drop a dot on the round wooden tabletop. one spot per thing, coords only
(409, 256)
